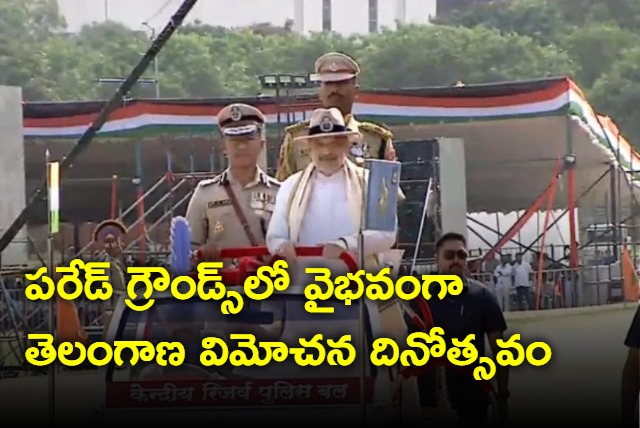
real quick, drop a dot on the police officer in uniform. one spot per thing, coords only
(234, 208)
(109, 234)
(338, 74)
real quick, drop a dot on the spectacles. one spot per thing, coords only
(451, 254)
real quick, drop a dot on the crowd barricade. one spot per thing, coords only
(568, 288)
(17, 311)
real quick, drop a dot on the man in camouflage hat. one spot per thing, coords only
(338, 74)
(234, 208)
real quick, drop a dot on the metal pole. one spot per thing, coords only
(362, 314)
(156, 74)
(157, 77)
(363, 338)
(613, 189)
(424, 216)
(52, 306)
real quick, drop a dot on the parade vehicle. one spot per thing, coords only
(279, 390)
(284, 388)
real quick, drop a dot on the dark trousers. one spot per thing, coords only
(523, 296)
(473, 416)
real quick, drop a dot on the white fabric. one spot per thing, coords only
(239, 130)
(503, 275)
(503, 296)
(326, 218)
(346, 187)
(522, 274)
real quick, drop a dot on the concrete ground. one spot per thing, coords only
(580, 383)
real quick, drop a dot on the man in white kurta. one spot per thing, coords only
(322, 206)
(327, 220)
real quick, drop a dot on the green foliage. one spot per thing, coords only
(205, 61)
(593, 41)
(599, 36)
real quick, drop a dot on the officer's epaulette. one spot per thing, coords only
(376, 129)
(273, 181)
(210, 181)
(297, 126)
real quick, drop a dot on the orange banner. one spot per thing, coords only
(630, 283)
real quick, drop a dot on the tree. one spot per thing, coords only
(618, 94)
(22, 24)
(449, 54)
(596, 47)
(593, 41)
(209, 62)
(541, 20)
(600, 37)
(546, 20)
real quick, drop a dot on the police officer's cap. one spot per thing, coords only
(328, 123)
(109, 229)
(240, 119)
(336, 67)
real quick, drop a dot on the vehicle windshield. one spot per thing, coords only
(280, 318)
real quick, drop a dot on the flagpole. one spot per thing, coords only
(421, 230)
(361, 313)
(363, 338)
(52, 302)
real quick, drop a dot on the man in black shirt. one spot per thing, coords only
(630, 375)
(474, 311)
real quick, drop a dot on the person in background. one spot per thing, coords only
(69, 255)
(234, 208)
(630, 384)
(504, 280)
(522, 275)
(338, 76)
(474, 311)
(109, 235)
(489, 268)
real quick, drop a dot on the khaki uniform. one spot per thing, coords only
(109, 233)
(376, 143)
(117, 276)
(220, 207)
(212, 216)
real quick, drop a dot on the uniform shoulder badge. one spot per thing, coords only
(298, 127)
(375, 129)
(273, 181)
(268, 180)
(210, 181)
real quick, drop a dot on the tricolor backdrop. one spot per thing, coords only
(547, 97)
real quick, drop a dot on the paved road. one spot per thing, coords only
(582, 379)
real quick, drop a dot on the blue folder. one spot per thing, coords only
(381, 199)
